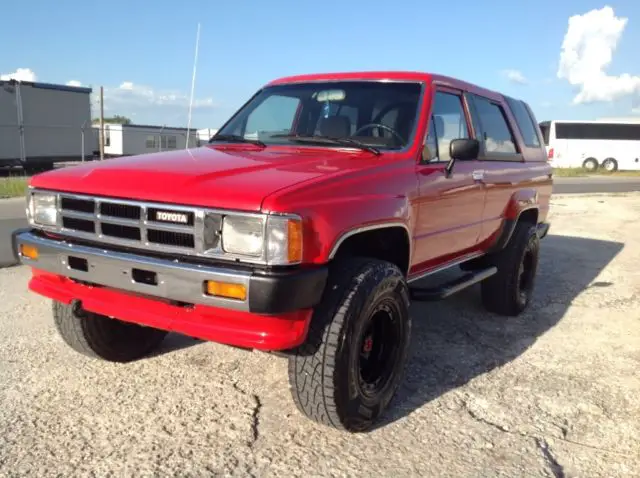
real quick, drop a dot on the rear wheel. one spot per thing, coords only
(590, 164)
(610, 164)
(509, 291)
(98, 336)
(350, 368)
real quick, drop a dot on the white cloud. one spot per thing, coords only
(130, 94)
(587, 52)
(150, 105)
(134, 100)
(515, 76)
(21, 74)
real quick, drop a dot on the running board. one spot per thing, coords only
(428, 294)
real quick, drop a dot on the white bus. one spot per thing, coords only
(609, 144)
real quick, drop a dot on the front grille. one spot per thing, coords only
(123, 232)
(124, 211)
(129, 223)
(78, 224)
(178, 239)
(78, 205)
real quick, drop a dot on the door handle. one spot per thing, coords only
(478, 175)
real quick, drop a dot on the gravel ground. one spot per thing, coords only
(555, 392)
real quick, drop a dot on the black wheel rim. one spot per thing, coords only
(526, 273)
(378, 349)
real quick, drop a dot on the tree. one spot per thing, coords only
(115, 119)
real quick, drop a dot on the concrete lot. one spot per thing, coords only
(553, 393)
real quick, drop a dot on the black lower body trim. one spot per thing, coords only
(278, 293)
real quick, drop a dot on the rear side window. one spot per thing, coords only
(525, 123)
(496, 135)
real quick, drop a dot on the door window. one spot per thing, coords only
(448, 122)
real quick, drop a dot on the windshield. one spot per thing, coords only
(370, 113)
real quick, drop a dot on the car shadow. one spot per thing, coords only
(172, 343)
(456, 340)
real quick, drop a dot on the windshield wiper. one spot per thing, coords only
(235, 138)
(328, 139)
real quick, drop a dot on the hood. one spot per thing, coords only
(230, 178)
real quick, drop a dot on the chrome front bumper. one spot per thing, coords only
(171, 279)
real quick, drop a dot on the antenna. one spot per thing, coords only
(193, 84)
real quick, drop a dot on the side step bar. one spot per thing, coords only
(428, 294)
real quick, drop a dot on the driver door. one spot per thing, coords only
(450, 208)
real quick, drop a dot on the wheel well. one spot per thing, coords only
(387, 244)
(530, 216)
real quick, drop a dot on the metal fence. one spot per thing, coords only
(37, 143)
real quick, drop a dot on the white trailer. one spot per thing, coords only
(205, 134)
(43, 123)
(612, 144)
(132, 139)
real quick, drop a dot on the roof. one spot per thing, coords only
(393, 75)
(48, 86)
(356, 75)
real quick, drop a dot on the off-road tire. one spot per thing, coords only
(98, 336)
(504, 293)
(323, 372)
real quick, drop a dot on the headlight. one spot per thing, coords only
(243, 235)
(43, 208)
(281, 245)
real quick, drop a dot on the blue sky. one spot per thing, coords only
(142, 52)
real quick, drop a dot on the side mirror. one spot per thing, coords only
(464, 149)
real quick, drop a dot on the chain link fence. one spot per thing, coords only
(38, 146)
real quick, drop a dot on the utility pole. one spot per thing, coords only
(101, 123)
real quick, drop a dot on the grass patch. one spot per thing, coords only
(13, 187)
(579, 172)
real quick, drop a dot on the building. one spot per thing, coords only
(132, 139)
(43, 123)
(205, 134)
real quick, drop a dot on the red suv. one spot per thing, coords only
(302, 227)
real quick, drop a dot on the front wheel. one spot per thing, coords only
(352, 364)
(98, 336)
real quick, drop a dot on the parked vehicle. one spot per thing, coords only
(611, 145)
(303, 227)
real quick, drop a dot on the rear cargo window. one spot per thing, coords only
(525, 123)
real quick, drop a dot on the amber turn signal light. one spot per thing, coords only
(294, 247)
(28, 251)
(227, 290)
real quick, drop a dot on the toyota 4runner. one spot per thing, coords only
(302, 228)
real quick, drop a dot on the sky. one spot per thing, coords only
(568, 59)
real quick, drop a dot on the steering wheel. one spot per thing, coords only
(380, 125)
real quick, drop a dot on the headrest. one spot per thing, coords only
(335, 126)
